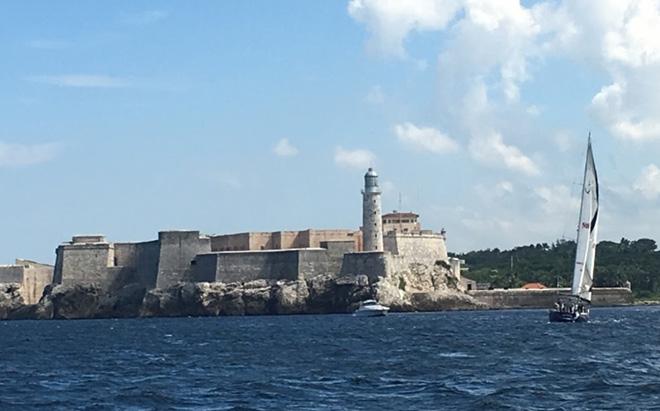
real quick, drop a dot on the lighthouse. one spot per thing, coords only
(372, 223)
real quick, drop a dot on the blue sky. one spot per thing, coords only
(128, 117)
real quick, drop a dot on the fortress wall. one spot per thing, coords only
(243, 266)
(231, 242)
(545, 298)
(418, 248)
(260, 241)
(205, 268)
(177, 250)
(84, 263)
(288, 239)
(317, 237)
(35, 278)
(11, 274)
(126, 254)
(373, 264)
(117, 277)
(146, 263)
(315, 262)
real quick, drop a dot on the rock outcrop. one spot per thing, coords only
(419, 288)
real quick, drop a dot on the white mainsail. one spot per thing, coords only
(585, 256)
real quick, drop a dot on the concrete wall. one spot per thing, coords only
(545, 298)
(417, 247)
(177, 250)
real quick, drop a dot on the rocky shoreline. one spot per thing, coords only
(415, 290)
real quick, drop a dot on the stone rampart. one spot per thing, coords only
(83, 263)
(33, 277)
(11, 274)
(545, 298)
(245, 266)
(177, 250)
(422, 248)
(372, 264)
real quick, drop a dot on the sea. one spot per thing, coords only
(463, 360)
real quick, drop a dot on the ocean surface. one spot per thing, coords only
(484, 360)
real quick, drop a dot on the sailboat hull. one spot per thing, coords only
(567, 317)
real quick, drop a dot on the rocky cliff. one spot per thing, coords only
(420, 288)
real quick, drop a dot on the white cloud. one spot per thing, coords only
(390, 21)
(82, 81)
(612, 106)
(17, 155)
(358, 159)
(564, 141)
(557, 200)
(648, 182)
(492, 150)
(425, 138)
(284, 148)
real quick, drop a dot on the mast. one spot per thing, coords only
(585, 252)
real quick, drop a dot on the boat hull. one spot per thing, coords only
(370, 313)
(555, 316)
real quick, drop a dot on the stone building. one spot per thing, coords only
(158, 263)
(401, 222)
(385, 243)
(33, 277)
(282, 240)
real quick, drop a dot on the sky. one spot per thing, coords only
(129, 117)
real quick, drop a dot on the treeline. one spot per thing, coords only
(552, 264)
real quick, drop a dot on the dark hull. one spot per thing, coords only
(567, 317)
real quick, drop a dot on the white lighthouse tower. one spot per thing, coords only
(372, 222)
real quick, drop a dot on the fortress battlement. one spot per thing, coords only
(382, 245)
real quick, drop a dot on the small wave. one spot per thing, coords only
(454, 355)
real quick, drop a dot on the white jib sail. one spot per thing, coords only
(585, 257)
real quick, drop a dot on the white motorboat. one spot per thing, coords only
(371, 308)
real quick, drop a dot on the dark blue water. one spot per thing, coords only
(449, 360)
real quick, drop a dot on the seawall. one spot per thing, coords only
(545, 298)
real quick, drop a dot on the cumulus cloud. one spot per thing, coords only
(424, 138)
(557, 200)
(81, 80)
(390, 21)
(17, 155)
(491, 48)
(491, 150)
(358, 159)
(284, 148)
(648, 182)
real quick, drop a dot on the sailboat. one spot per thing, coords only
(575, 308)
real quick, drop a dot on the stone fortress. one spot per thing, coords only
(382, 246)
